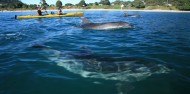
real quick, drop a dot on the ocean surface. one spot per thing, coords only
(57, 56)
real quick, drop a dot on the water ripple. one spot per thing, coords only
(155, 52)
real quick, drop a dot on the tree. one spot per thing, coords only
(3, 6)
(18, 4)
(138, 4)
(68, 4)
(25, 6)
(90, 4)
(11, 6)
(118, 2)
(105, 2)
(183, 4)
(43, 2)
(155, 2)
(82, 3)
(9, 1)
(96, 3)
(58, 3)
(32, 6)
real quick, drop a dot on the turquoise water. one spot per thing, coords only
(152, 58)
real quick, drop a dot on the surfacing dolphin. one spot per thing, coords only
(87, 24)
(132, 15)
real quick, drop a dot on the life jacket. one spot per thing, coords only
(39, 12)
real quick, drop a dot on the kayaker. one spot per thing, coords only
(39, 12)
(59, 10)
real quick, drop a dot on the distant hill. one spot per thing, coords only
(8, 1)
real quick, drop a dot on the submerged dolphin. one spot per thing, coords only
(105, 68)
(86, 24)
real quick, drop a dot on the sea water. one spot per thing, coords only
(152, 58)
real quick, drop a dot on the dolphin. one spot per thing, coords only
(87, 24)
(90, 66)
(132, 15)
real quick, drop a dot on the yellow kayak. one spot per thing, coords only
(74, 14)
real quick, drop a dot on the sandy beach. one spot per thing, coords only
(156, 10)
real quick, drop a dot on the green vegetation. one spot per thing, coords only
(58, 3)
(138, 4)
(82, 3)
(15, 4)
(103, 4)
(182, 4)
(43, 2)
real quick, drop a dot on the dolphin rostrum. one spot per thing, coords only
(87, 24)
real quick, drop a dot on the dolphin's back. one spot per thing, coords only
(87, 24)
(107, 26)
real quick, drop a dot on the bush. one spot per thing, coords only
(183, 5)
(82, 3)
(105, 2)
(138, 4)
(32, 6)
(58, 3)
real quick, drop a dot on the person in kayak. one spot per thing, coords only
(59, 10)
(39, 12)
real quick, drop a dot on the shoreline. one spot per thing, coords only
(156, 10)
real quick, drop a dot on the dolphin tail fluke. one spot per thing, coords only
(85, 20)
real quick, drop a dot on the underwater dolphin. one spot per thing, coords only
(87, 24)
(89, 66)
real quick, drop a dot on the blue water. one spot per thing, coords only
(152, 58)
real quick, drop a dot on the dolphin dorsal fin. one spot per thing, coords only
(85, 20)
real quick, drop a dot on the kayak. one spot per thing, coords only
(74, 14)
